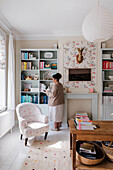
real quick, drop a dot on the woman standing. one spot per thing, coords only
(56, 101)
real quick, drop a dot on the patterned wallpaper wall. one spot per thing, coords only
(89, 61)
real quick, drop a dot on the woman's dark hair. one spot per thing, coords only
(57, 76)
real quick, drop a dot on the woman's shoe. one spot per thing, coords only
(58, 129)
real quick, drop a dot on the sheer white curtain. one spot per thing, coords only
(11, 75)
(2, 74)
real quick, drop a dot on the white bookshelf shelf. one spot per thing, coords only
(107, 69)
(28, 92)
(30, 70)
(48, 69)
(30, 59)
(108, 80)
(30, 80)
(108, 92)
(46, 80)
(48, 59)
(107, 58)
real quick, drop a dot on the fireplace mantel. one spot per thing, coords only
(92, 96)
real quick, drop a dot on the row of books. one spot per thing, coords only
(83, 122)
(44, 99)
(107, 65)
(42, 65)
(26, 65)
(108, 89)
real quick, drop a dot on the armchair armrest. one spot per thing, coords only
(43, 118)
(22, 124)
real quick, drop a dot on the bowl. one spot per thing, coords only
(111, 77)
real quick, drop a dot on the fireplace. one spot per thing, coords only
(80, 74)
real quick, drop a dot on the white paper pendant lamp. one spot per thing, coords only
(98, 25)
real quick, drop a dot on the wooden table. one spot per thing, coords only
(103, 133)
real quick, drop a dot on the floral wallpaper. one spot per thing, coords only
(89, 61)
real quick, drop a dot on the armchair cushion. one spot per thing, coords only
(35, 129)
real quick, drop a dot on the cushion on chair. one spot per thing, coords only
(35, 129)
(36, 125)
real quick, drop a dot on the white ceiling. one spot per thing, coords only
(48, 18)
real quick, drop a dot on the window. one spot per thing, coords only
(2, 74)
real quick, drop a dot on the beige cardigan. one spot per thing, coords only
(56, 95)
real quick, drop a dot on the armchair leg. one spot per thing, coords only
(26, 139)
(21, 136)
(45, 135)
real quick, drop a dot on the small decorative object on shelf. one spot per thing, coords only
(91, 90)
(48, 55)
(30, 55)
(28, 78)
(103, 45)
(112, 55)
(34, 89)
(36, 77)
(47, 66)
(54, 66)
(33, 67)
(55, 46)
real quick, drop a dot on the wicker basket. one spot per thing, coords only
(108, 151)
(86, 161)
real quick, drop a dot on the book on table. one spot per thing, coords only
(83, 122)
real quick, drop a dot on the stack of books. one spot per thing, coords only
(107, 89)
(87, 150)
(83, 122)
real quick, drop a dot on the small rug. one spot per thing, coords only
(48, 155)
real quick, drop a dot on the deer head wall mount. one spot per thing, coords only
(79, 57)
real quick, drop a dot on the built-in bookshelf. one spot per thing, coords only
(37, 68)
(107, 83)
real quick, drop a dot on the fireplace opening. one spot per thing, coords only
(80, 74)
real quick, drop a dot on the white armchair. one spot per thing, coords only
(31, 121)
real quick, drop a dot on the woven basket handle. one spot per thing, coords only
(110, 144)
